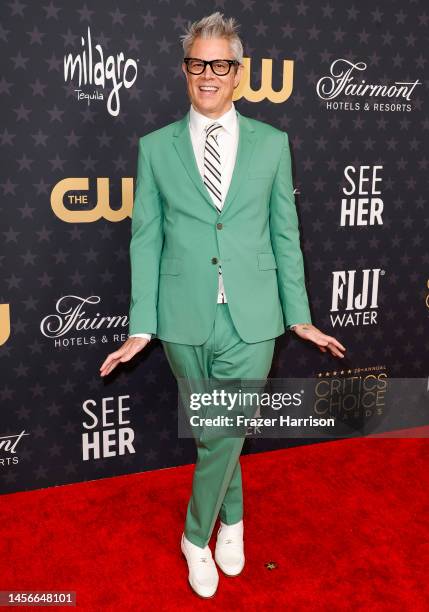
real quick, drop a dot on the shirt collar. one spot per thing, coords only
(198, 122)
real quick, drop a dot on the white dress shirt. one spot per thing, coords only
(228, 142)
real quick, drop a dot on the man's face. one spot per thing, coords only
(215, 102)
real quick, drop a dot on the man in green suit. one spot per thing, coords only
(217, 269)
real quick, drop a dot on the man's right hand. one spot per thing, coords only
(127, 351)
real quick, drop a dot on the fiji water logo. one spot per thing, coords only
(91, 67)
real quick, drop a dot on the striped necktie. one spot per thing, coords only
(212, 167)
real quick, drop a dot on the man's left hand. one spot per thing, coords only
(307, 331)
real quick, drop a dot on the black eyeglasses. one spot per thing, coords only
(220, 67)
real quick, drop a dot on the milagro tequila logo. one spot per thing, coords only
(115, 70)
(71, 318)
(342, 80)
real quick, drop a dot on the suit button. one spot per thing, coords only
(219, 225)
(214, 260)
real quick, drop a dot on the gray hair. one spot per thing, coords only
(214, 26)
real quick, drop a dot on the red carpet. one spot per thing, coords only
(345, 521)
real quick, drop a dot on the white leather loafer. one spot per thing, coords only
(229, 552)
(203, 576)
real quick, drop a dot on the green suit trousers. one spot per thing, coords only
(217, 481)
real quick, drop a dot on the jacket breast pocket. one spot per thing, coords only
(267, 261)
(170, 265)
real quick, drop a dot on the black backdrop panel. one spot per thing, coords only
(69, 152)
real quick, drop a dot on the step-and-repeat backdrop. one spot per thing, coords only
(79, 85)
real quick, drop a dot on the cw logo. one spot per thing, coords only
(265, 91)
(66, 187)
(4, 323)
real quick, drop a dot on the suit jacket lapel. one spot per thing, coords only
(183, 144)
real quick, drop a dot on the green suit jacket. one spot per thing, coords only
(178, 239)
